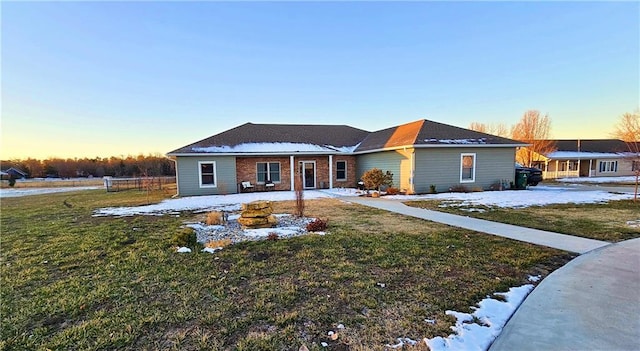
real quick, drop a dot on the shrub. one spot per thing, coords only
(393, 191)
(214, 218)
(432, 189)
(317, 225)
(185, 237)
(272, 236)
(12, 181)
(375, 178)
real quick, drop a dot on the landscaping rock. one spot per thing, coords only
(257, 214)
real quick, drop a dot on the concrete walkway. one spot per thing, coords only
(534, 236)
(592, 303)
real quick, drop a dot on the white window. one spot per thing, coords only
(207, 174)
(268, 171)
(608, 166)
(341, 170)
(467, 168)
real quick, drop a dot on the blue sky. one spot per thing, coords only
(120, 78)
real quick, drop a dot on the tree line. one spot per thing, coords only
(130, 166)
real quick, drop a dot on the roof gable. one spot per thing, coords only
(429, 133)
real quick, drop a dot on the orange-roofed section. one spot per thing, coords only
(405, 134)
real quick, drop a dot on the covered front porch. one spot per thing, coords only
(567, 168)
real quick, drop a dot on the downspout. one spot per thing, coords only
(175, 161)
(330, 171)
(412, 186)
(293, 172)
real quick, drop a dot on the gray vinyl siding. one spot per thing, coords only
(441, 167)
(386, 161)
(187, 170)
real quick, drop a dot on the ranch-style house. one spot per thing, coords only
(421, 155)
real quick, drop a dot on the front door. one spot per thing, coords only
(308, 174)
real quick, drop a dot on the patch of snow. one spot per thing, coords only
(627, 179)
(634, 224)
(264, 232)
(583, 155)
(402, 342)
(534, 278)
(212, 249)
(183, 250)
(19, 192)
(457, 141)
(492, 315)
(228, 203)
(534, 196)
(273, 147)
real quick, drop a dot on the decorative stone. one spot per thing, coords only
(257, 214)
(256, 205)
(264, 212)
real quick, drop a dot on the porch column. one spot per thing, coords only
(567, 169)
(557, 163)
(546, 169)
(578, 168)
(293, 172)
(330, 171)
(590, 161)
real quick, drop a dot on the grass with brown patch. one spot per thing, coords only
(73, 281)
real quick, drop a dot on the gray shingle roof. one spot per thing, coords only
(333, 135)
(591, 145)
(425, 132)
(419, 133)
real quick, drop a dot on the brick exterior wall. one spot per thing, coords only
(246, 170)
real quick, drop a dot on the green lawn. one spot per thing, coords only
(73, 281)
(606, 222)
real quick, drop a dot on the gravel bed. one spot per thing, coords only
(288, 226)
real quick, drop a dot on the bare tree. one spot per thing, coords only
(534, 130)
(499, 129)
(628, 130)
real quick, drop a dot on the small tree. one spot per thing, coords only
(534, 130)
(299, 190)
(375, 178)
(498, 129)
(628, 129)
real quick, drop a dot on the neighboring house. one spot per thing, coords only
(586, 158)
(419, 154)
(15, 173)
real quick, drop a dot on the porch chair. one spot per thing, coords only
(247, 186)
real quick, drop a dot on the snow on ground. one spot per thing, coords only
(19, 192)
(228, 203)
(534, 196)
(477, 330)
(625, 180)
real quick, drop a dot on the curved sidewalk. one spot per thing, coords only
(539, 237)
(592, 303)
